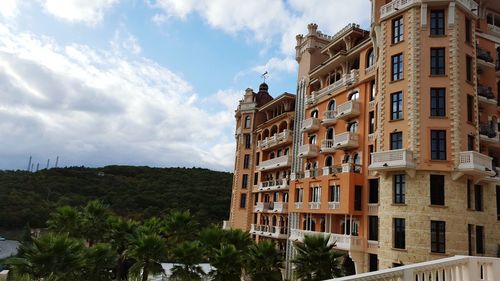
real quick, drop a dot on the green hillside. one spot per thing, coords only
(136, 192)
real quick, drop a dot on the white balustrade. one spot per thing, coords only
(308, 150)
(329, 117)
(474, 162)
(333, 205)
(310, 125)
(347, 79)
(346, 140)
(372, 208)
(396, 6)
(278, 162)
(347, 110)
(392, 160)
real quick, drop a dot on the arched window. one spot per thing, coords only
(352, 127)
(285, 196)
(331, 105)
(347, 158)
(312, 139)
(354, 96)
(247, 122)
(357, 163)
(370, 58)
(329, 161)
(274, 130)
(330, 133)
(314, 114)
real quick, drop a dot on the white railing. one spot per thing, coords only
(494, 29)
(457, 268)
(372, 244)
(470, 5)
(333, 205)
(328, 145)
(298, 205)
(314, 205)
(472, 160)
(346, 79)
(280, 207)
(329, 117)
(278, 162)
(369, 69)
(311, 173)
(285, 135)
(396, 6)
(392, 160)
(348, 109)
(310, 124)
(332, 170)
(372, 208)
(346, 139)
(342, 241)
(274, 184)
(308, 150)
(261, 207)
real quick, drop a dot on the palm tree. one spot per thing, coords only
(239, 238)
(66, 219)
(51, 255)
(316, 259)
(120, 236)
(264, 262)
(99, 261)
(189, 255)
(227, 262)
(148, 250)
(211, 239)
(95, 216)
(180, 226)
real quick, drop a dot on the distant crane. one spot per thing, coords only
(29, 164)
(57, 162)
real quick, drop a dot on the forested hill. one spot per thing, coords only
(134, 192)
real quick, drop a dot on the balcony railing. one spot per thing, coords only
(327, 146)
(333, 205)
(330, 170)
(311, 173)
(310, 125)
(475, 164)
(347, 79)
(286, 136)
(369, 69)
(484, 55)
(261, 207)
(274, 184)
(372, 208)
(392, 160)
(348, 110)
(329, 118)
(308, 150)
(275, 163)
(488, 131)
(457, 268)
(342, 241)
(314, 205)
(269, 231)
(484, 91)
(396, 6)
(494, 29)
(346, 140)
(280, 207)
(298, 205)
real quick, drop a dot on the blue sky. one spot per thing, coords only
(144, 82)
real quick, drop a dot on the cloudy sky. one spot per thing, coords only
(144, 82)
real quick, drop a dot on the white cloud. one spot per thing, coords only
(9, 8)
(276, 65)
(94, 107)
(125, 41)
(90, 12)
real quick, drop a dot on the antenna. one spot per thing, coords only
(264, 76)
(29, 164)
(57, 161)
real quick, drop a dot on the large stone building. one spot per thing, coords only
(391, 146)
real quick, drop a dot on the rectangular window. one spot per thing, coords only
(399, 189)
(397, 140)
(470, 238)
(373, 197)
(437, 61)
(479, 239)
(438, 102)
(397, 106)
(437, 22)
(373, 90)
(315, 194)
(257, 159)
(370, 151)
(255, 178)
(397, 67)
(373, 228)
(438, 237)
(397, 30)
(399, 233)
(470, 108)
(468, 68)
(438, 144)
(244, 181)
(469, 194)
(248, 141)
(468, 30)
(470, 142)
(243, 200)
(299, 195)
(371, 128)
(334, 195)
(357, 197)
(373, 262)
(478, 197)
(255, 199)
(437, 189)
(246, 161)
(498, 202)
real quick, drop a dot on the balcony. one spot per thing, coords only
(280, 207)
(348, 110)
(485, 95)
(332, 170)
(314, 205)
(372, 208)
(329, 118)
(308, 151)
(310, 125)
(494, 29)
(262, 207)
(328, 146)
(333, 205)
(347, 79)
(275, 163)
(342, 242)
(311, 173)
(273, 184)
(347, 140)
(298, 205)
(474, 164)
(269, 231)
(369, 69)
(284, 137)
(396, 6)
(392, 160)
(487, 132)
(484, 57)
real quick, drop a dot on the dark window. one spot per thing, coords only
(438, 102)
(248, 141)
(244, 181)
(255, 178)
(437, 61)
(469, 194)
(399, 233)
(399, 189)
(373, 197)
(468, 30)
(470, 142)
(397, 140)
(255, 200)
(397, 67)
(437, 22)
(357, 197)
(438, 237)
(243, 201)
(438, 144)
(498, 202)
(246, 161)
(397, 106)
(334, 193)
(479, 239)
(478, 197)
(470, 233)
(371, 128)
(397, 30)
(470, 108)
(468, 68)
(373, 228)
(247, 122)
(372, 90)
(370, 151)
(373, 262)
(437, 189)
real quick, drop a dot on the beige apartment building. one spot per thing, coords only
(391, 146)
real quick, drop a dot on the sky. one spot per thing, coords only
(144, 82)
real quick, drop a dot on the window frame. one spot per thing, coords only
(438, 237)
(397, 106)
(397, 62)
(437, 26)
(243, 201)
(438, 145)
(399, 189)
(438, 61)
(437, 190)
(396, 140)
(397, 27)
(399, 233)
(438, 102)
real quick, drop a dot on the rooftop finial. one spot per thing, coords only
(264, 76)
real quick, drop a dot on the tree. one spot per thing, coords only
(120, 236)
(227, 262)
(316, 259)
(66, 219)
(99, 261)
(95, 216)
(180, 226)
(264, 262)
(189, 255)
(148, 250)
(51, 255)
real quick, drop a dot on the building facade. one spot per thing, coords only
(395, 151)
